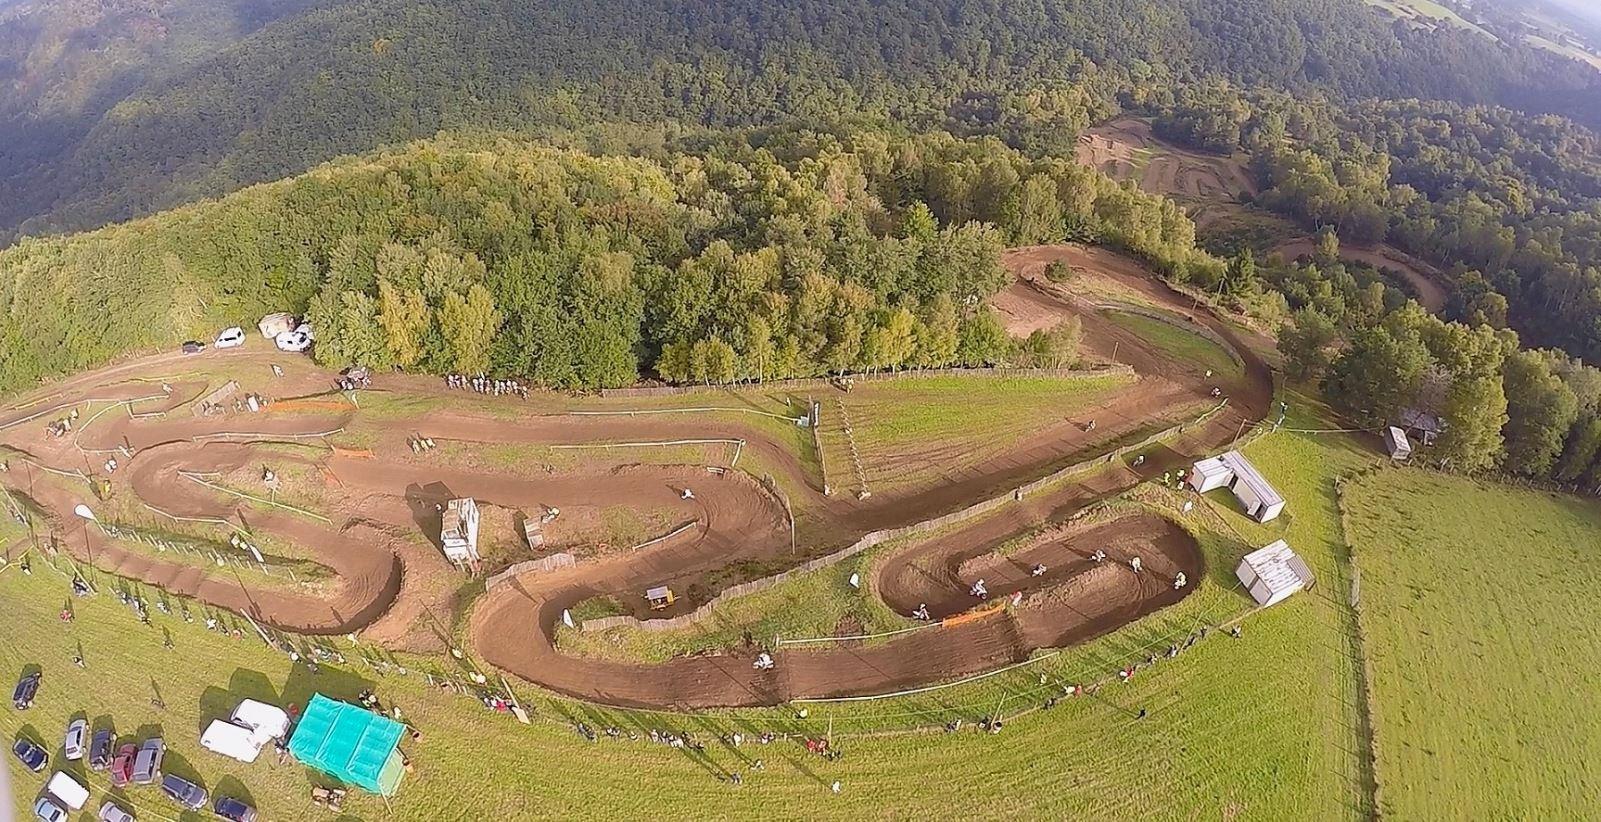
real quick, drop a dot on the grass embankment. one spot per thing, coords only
(914, 432)
(1183, 346)
(1255, 728)
(1478, 611)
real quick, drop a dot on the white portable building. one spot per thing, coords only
(70, 791)
(1231, 469)
(1396, 443)
(1209, 474)
(458, 532)
(1273, 572)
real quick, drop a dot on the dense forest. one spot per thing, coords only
(116, 108)
(1529, 412)
(812, 254)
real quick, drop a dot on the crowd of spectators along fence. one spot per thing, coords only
(824, 382)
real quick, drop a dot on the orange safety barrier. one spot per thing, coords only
(329, 475)
(353, 453)
(308, 405)
(970, 616)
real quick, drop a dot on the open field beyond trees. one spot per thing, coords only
(1480, 631)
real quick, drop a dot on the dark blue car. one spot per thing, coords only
(32, 756)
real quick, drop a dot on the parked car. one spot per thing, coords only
(147, 763)
(100, 749)
(49, 809)
(76, 740)
(122, 765)
(33, 756)
(234, 810)
(292, 341)
(27, 689)
(112, 812)
(193, 347)
(231, 337)
(184, 792)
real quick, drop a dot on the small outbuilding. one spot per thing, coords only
(1210, 474)
(1232, 470)
(1397, 444)
(274, 324)
(458, 531)
(1424, 425)
(1273, 572)
(350, 744)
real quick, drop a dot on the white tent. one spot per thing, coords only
(1273, 572)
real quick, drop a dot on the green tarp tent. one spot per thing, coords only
(350, 744)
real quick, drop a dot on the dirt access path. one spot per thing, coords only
(388, 574)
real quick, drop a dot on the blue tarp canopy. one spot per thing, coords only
(351, 744)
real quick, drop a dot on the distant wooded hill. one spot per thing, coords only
(115, 108)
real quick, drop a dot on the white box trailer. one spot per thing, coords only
(1273, 572)
(1209, 474)
(1233, 471)
(70, 791)
(1397, 444)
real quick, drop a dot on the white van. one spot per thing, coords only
(231, 337)
(70, 791)
(292, 341)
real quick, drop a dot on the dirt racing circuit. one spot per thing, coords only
(387, 579)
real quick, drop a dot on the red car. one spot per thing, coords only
(122, 765)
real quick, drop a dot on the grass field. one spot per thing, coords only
(914, 432)
(1261, 727)
(1201, 353)
(1478, 608)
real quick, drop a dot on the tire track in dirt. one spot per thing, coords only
(386, 577)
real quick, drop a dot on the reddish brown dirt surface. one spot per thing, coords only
(390, 578)
(1425, 279)
(1117, 149)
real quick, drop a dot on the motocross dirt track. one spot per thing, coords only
(1118, 147)
(386, 577)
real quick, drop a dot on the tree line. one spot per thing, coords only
(812, 254)
(116, 110)
(1531, 412)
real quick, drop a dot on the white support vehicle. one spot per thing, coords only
(293, 342)
(70, 791)
(230, 338)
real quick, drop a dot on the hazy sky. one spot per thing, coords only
(1589, 9)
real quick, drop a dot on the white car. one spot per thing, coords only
(292, 341)
(231, 337)
(77, 739)
(112, 812)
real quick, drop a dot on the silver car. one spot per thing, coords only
(112, 812)
(147, 763)
(76, 742)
